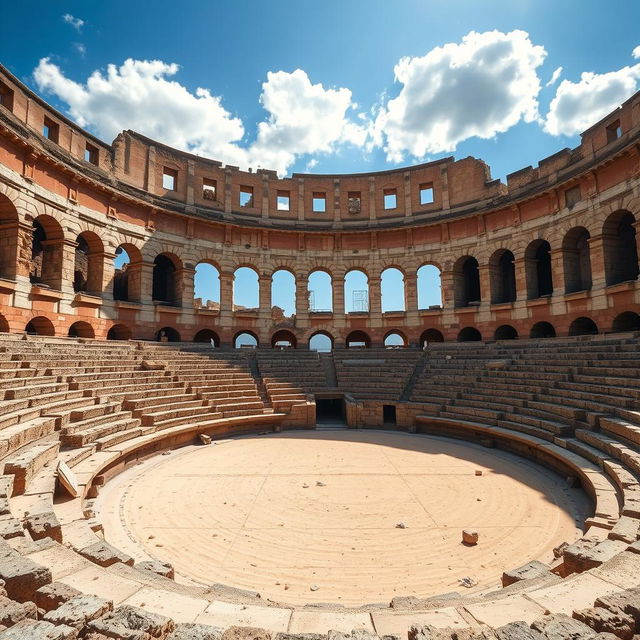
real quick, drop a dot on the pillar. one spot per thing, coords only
(411, 292)
(337, 286)
(375, 296)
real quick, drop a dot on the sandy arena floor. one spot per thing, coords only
(252, 512)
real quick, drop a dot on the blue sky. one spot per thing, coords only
(334, 86)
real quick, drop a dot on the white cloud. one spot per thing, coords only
(578, 105)
(636, 52)
(303, 118)
(80, 48)
(554, 77)
(479, 87)
(76, 23)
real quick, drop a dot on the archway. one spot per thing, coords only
(207, 335)
(538, 269)
(428, 336)
(88, 263)
(583, 327)
(245, 339)
(119, 332)
(283, 293)
(246, 289)
(576, 260)
(505, 332)
(542, 330)
(356, 292)
(466, 282)
(620, 248)
(395, 339)
(166, 289)
(40, 326)
(321, 341)
(358, 340)
(9, 239)
(320, 288)
(429, 285)
(283, 339)
(502, 277)
(47, 243)
(4, 324)
(469, 334)
(626, 321)
(127, 273)
(81, 329)
(206, 287)
(392, 290)
(168, 334)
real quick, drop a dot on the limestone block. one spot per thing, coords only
(533, 569)
(561, 627)
(79, 610)
(191, 631)
(469, 536)
(12, 612)
(10, 527)
(246, 633)
(163, 569)
(579, 558)
(428, 632)
(517, 631)
(127, 621)
(103, 554)
(32, 630)
(22, 576)
(204, 438)
(44, 525)
(609, 621)
(51, 596)
(627, 601)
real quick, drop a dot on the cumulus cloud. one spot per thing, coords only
(578, 105)
(80, 48)
(303, 118)
(636, 52)
(76, 23)
(554, 77)
(479, 87)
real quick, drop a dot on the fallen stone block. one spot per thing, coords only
(604, 620)
(26, 464)
(51, 596)
(131, 622)
(518, 631)
(12, 612)
(627, 601)
(79, 610)
(22, 576)
(533, 569)
(470, 536)
(32, 630)
(192, 631)
(246, 633)
(163, 569)
(104, 555)
(44, 525)
(204, 438)
(560, 626)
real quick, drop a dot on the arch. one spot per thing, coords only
(9, 238)
(538, 269)
(207, 335)
(283, 293)
(167, 334)
(4, 324)
(88, 263)
(246, 289)
(320, 288)
(356, 291)
(283, 338)
(542, 330)
(430, 335)
(119, 332)
(392, 290)
(47, 242)
(245, 339)
(502, 276)
(81, 329)
(357, 339)
(626, 321)
(469, 334)
(395, 339)
(620, 248)
(576, 260)
(166, 287)
(505, 332)
(429, 286)
(40, 326)
(126, 273)
(583, 326)
(466, 282)
(321, 341)
(206, 286)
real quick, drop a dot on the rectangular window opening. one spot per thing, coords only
(572, 196)
(426, 194)
(246, 196)
(390, 199)
(389, 414)
(283, 201)
(319, 202)
(354, 202)
(51, 130)
(6, 97)
(169, 179)
(614, 131)
(209, 189)
(91, 154)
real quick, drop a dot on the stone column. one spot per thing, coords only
(337, 286)
(375, 296)
(302, 299)
(226, 292)
(146, 282)
(411, 292)
(59, 264)
(134, 282)
(596, 255)
(447, 284)
(184, 282)
(557, 272)
(485, 284)
(264, 283)
(100, 280)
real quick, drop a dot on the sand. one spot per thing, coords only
(312, 516)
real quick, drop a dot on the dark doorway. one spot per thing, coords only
(329, 410)
(389, 413)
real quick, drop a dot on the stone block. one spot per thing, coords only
(163, 569)
(604, 620)
(579, 557)
(12, 612)
(246, 633)
(192, 631)
(51, 596)
(79, 610)
(22, 576)
(127, 622)
(10, 527)
(104, 554)
(32, 630)
(470, 536)
(627, 601)
(560, 626)
(533, 569)
(517, 631)
(44, 525)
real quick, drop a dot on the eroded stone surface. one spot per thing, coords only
(12, 612)
(51, 596)
(246, 633)
(163, 569)
(607, 620)
(44, 525)
(191, 631)
(39, 630)
(561, 627)
(21, 575)
(79, 610)
(125, 619)
(533, 569)
(104, 554)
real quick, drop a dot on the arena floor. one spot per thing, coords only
(312, 516)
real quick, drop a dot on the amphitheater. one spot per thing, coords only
(180, 469)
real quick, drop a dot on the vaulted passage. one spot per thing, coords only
(577, 260)
(503, 277)
(538, 269)
(466, 282)
(620, 247)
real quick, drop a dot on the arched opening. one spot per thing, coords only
(429, 285)
(4, 324)
(119, 332)
(620, 248)
(392, 290)
(127, 273)
(207, 335)
(246, 289)
(321, 341)
(167, 334)
(206, 287)
(583, 327)
(166, 288)
(542, 330)
(429, 336)
(283, 296)
(283, 340)
(395, 339)
(626, 321)
(81, 330)
(576, 260)
(89, 263)
(356, 292)
(40, 326)
(466, 282)
(538, 269)
(502, 275)
(469, 334)
(505, 332)
(245, 339)
(9, 239)
(358, 340)
(320, 290)
(47, 243)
